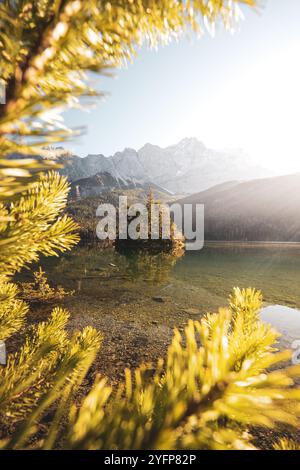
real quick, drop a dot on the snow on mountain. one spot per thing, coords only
(186, 167)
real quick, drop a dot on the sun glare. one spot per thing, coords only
(261, 108)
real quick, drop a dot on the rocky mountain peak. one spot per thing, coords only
(186, 167)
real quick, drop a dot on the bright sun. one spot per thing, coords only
(262, 106)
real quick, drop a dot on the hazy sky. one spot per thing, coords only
(240, 90)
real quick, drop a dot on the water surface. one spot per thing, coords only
(203, 279)
(137, 300)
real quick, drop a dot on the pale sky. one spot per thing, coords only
(230, 91)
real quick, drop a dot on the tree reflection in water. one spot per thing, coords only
(154, 267)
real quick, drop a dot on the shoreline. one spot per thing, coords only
(251, 243)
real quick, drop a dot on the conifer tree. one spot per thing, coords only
(213, 384)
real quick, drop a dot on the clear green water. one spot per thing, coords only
(136, 301)
(275, 270)
(201, 279)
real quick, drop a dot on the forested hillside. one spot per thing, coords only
(258, 210)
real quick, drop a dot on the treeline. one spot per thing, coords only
(251, 229)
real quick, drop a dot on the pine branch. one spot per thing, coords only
(33, 225)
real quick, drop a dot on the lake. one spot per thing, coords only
(136, 301)
(208, 274)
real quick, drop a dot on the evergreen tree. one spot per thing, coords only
(215, 382)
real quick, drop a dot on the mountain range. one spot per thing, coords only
(265, 209)
(183, 168)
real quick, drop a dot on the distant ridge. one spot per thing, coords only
(104, 182)
(265, 209)
(184, 168)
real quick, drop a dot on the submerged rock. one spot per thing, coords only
(159, 299)
(192, 311)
